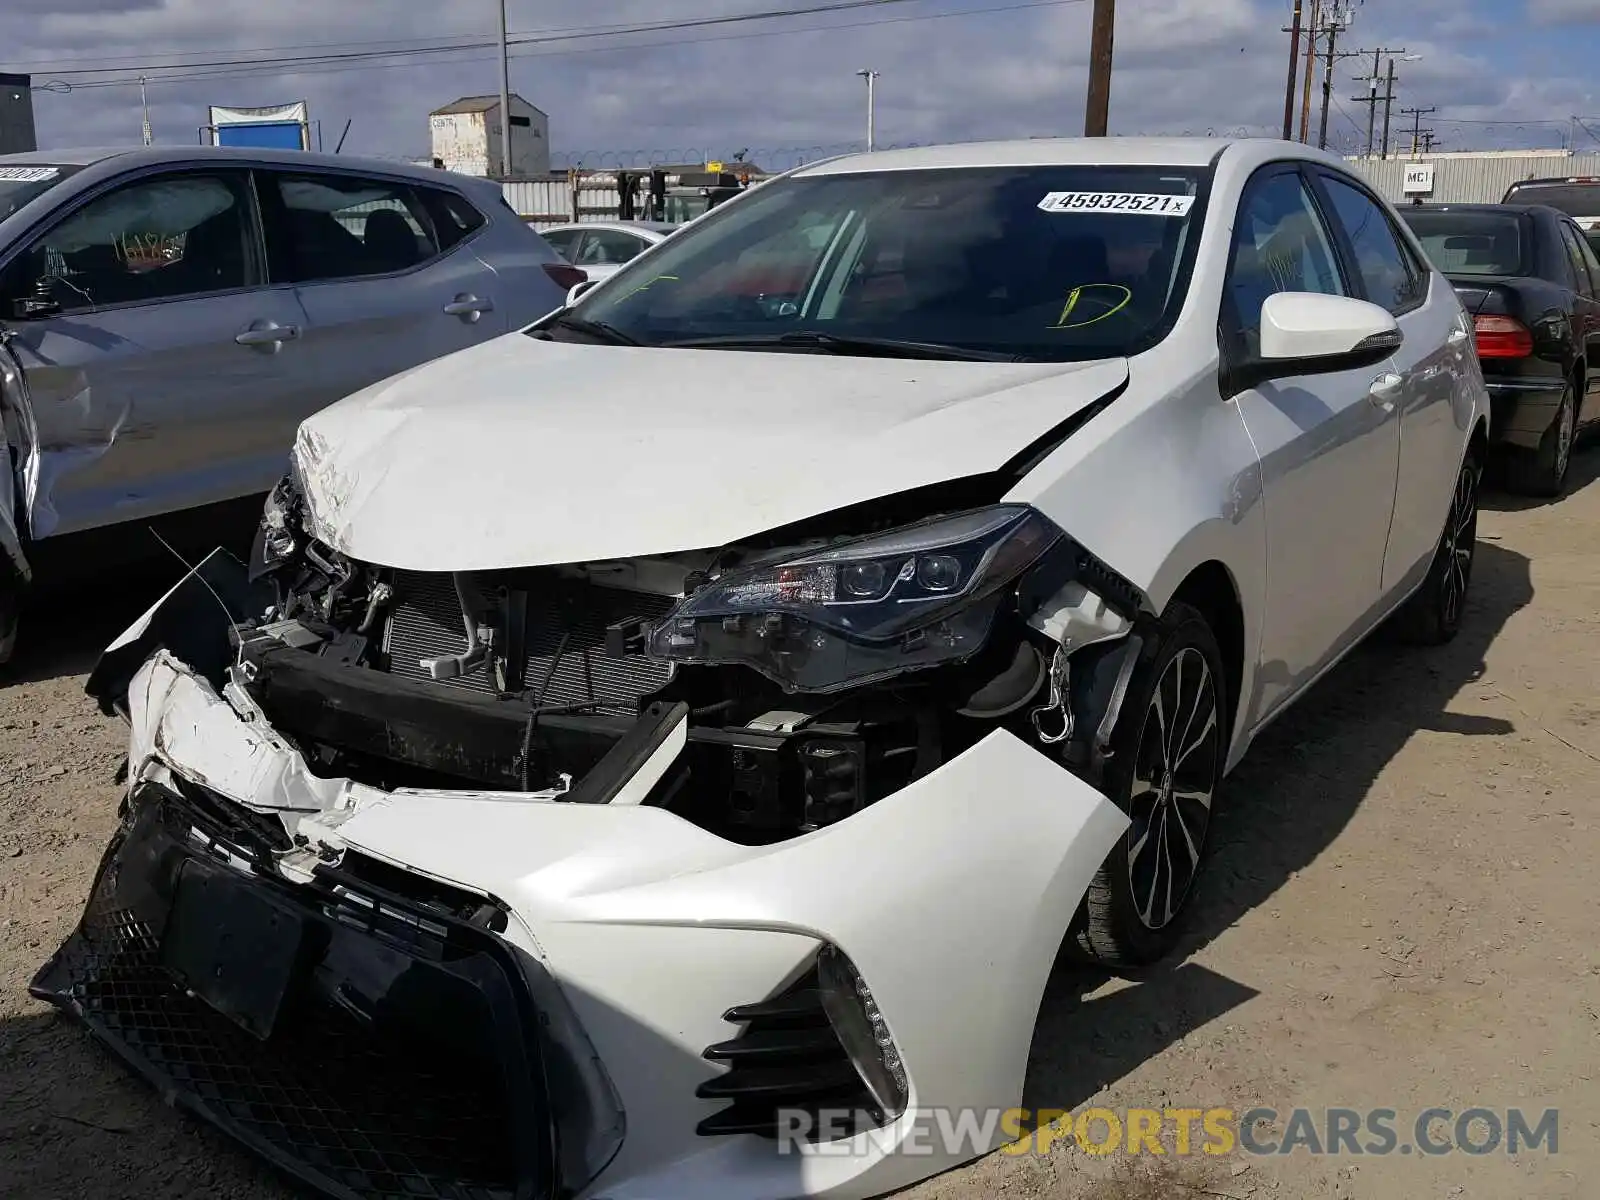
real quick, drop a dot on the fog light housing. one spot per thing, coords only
(863, 1032)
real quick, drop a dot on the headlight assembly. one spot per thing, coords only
(278, 537)
(824, 620)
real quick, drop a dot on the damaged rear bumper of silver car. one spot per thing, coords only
(632, 1004)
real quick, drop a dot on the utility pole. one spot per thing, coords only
(1372, 99)
(144, 105)
(1097, 111)
(1336, 21)
(505, 98)
(870, 75)
(1294, 67)
(1311, 69)
(1416, 115)
(1388, 108)
(1427, 141)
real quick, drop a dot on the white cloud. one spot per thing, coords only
(1181, 65)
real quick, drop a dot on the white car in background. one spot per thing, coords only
(601, 248)
(633, 786)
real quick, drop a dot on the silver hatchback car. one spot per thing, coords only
(168, 316)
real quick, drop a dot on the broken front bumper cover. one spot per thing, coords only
(361, 1042)
(660, 944)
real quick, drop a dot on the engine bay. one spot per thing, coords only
(562, 680)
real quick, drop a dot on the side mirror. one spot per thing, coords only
(579, 289)
(1305, 333)
(39, 303)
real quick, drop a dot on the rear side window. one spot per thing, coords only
(563, 241)
(608, 247)
(1573, 246)
(325, 226)
(158, 238)
(454, 217)
(1386, 270)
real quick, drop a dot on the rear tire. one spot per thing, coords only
(1165, 765)
(1544, 471)
(1432, 616)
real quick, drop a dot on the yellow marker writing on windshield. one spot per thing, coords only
(1095, 294)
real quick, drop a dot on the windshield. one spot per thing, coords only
(19, 185)
(1473, 243)
(1054, 263)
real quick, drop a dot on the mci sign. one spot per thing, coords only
(1418, 179)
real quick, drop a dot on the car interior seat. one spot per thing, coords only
(390, 240)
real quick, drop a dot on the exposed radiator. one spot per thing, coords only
(425, 622)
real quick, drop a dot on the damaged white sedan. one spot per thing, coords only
(662, 752)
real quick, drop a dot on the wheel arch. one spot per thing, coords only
(1211, 590)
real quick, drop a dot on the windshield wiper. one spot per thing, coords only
(596, 329)
(835, 343)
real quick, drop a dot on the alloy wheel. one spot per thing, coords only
(1460, 543)
(1174, 781)
(1566, 421)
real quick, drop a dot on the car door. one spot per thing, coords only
(1429, 380)
(1585, 316)
(1329, 446)
(160, 359)
(385, 283)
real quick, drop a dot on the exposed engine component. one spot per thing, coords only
(806, 679)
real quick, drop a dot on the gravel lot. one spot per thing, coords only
(1399, 913)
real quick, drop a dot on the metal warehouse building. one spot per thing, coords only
(1479, 178)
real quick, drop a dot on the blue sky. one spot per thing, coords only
(1501, 72)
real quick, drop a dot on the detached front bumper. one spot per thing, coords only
(371, 1046)
(664, 967)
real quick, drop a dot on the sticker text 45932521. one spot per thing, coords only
(1150, 204)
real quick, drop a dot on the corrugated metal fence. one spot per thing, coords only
(1473, 180)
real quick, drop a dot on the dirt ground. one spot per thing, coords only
(1399, 913)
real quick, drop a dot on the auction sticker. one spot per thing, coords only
(28, 174)
(1133, 203)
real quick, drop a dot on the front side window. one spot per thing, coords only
(344, 227)
(1385, 268)
(1055, 263)
(159, 238)
(1280, 245)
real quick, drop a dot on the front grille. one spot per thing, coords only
(787, 1059)
(422, 1089)
(425, 622)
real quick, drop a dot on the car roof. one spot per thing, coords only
(138, 156)
(1191, 152)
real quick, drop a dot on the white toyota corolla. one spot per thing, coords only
(661, 752)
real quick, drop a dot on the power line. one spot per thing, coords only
(479, 52)
(576, 33)
(1372, 99)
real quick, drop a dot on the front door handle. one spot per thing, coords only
(267, 335)
(1385, 390)
(469, 307)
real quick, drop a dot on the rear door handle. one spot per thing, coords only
(469, 307)
(268, 335)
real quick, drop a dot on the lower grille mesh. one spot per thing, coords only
(426, 623)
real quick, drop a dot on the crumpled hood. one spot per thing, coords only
(521, 452)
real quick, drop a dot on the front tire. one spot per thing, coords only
(1432, 616)
(1165, 765)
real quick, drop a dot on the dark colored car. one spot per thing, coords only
(1531, 282)
(1578, 197)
